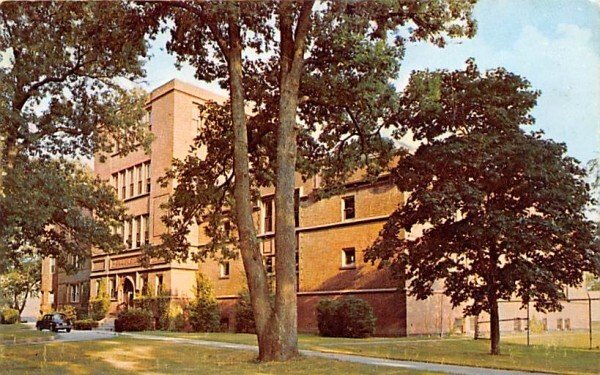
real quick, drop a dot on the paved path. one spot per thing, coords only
(409, 365)
(83, 336)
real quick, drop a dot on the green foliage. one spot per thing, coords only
(133, 320)
(327, 318)
(9, 316)
(177, 322)
(21, 278)
(347, 317)
(100, 304)
(244, 316)
(503, 210)
(69, 311)
(204, 309)
(85, 324)
(61, 98)
(158, 306)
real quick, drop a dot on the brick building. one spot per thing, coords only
(331, 234)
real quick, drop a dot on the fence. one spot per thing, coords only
(576, 325)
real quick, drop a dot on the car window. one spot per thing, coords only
(57, 317)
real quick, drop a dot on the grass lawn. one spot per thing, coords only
(123, 354)
(548, 358)
(21, 332)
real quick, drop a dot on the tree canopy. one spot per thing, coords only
(503, 210)
(63, 76)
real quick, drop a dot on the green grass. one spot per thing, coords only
(21, 332)
(121, 355)
(460, 351)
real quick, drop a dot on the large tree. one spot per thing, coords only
(62, 74)
(503, 209)
(328, 66)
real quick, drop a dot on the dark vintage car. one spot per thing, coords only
(54, 322)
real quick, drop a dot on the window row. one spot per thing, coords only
(135, 232)
(268, 211)
(133, 181)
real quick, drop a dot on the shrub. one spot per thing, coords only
(69, 311)
(244, 316)
(204, 309)
(82, 313)
(134, 320)
(9, 316)
(85, 325)
(100, 304)
(327, 318)
(348, 317)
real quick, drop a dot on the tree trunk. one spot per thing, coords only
(285, 227)
(494, 326)
(266, 325)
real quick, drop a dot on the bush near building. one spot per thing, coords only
(85, 325)
(244, 316)
(9, 316)
(347, 317)
(99, 305)
(134, 320)
(204, 309)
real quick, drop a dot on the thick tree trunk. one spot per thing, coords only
(494, 326)
(266, 325)
(285, 228)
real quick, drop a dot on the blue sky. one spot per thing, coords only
(554, 44)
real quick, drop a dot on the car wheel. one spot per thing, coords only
(68, 330)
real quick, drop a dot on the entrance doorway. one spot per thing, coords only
(128, 292)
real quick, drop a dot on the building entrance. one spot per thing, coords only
(128, 292)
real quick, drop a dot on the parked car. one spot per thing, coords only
(54, 322)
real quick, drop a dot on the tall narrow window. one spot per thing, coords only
(140, 179)
(123, 184)
(148, 180)
(130, 173)
(268, 216)
(147, 228)
(348, 208)
(297, 207)
(138, 231)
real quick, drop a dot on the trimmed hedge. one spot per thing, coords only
(9, 316)
(85, 325)
(134, 320)
(347, 317)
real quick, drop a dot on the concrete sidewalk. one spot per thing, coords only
(409, 365)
